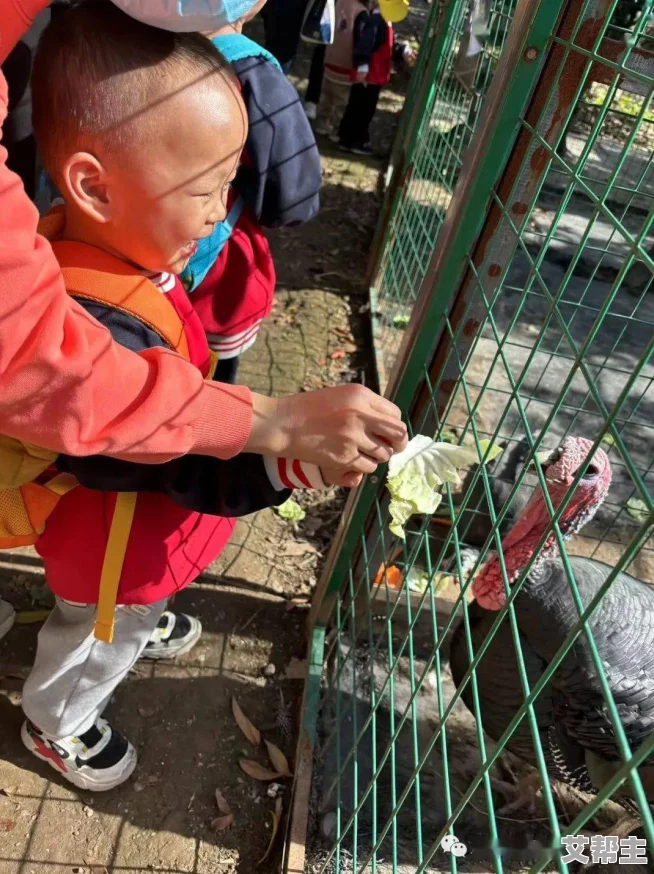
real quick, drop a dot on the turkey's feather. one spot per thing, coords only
(572, 716)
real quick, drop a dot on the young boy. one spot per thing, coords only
(113, 100)
(357, 66)
(232, 275)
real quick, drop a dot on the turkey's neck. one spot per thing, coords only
(488, 586)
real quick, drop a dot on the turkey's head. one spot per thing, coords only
(560, 470)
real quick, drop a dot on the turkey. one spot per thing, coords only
(575, 729)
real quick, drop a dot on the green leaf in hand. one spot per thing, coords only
(416, 475)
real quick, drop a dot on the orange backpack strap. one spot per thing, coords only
(95, 275)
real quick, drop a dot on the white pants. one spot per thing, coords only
(75, 675)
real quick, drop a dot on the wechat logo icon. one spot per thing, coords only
(451, 844)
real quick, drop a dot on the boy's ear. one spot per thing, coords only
(87, 186)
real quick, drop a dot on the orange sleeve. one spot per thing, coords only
(64, 383)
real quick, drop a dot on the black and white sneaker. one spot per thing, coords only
(364, 149)
(175, 634)
(99, 760)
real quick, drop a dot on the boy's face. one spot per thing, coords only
(168, 188)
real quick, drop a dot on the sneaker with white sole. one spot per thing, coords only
(98, 760)
(175, 634)
(364, 149)
(311, 110)
(7, 617)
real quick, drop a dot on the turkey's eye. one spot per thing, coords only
(591, 471)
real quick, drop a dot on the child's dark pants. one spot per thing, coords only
(226, 370)
(354, 129)
(314, 87)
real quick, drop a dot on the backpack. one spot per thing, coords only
(28, 491)
(233, 47)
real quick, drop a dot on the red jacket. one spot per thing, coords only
(237, 292)
(169, 546)
(381, 60)
(58, 366)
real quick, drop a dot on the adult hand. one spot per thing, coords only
(347, 430)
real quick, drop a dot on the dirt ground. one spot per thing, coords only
(178, 714)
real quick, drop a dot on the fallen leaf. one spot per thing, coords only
(7, 825)
(147, 712)
(278, 759)
(29, 617)
(251, 732)
(338, 353)
(321, 362)
(220, 823)
(276, 818)
(297, 604)
(637, 509)
(221, 801)
(254, 769)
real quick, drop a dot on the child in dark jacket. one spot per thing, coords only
(113, 99)
(360, 60)
(232, 276)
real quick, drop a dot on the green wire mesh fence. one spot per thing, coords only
(519, 242)
(441, 114)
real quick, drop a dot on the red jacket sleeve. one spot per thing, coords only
(64, 383)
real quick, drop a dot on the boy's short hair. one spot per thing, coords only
(96, 69)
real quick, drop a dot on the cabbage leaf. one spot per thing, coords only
(416, 474)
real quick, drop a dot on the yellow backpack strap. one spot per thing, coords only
(112, 566)
(98, 276)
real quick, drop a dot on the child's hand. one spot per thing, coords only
(349, 480)
(362, 73)
(347, 430)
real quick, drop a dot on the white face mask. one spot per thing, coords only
(186, 15)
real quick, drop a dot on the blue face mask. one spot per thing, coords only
(186, 15)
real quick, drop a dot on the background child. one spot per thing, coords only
(363, 53)
(340, 69)
(232, 275)
(113, 99)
